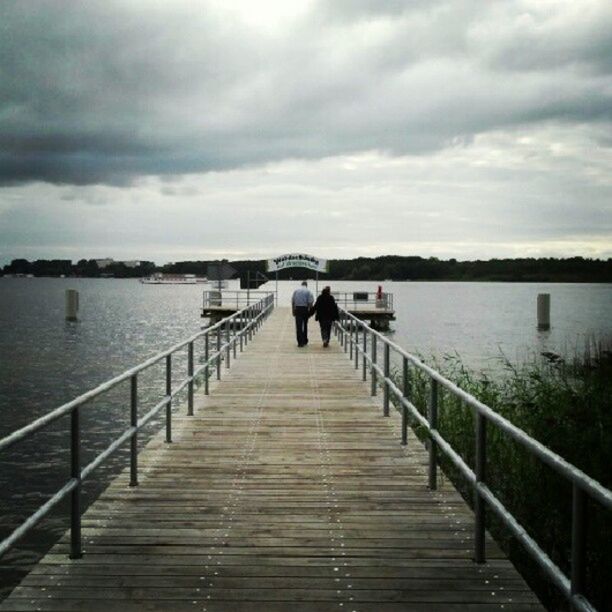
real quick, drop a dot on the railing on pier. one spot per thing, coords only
(357, 338)
(220, 342)
(232, 299)
(354, 300)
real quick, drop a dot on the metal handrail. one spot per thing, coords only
(237, 329)
(364, 298)
(231, 299)
(348, 329)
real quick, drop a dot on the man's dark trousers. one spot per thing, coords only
(301, 325)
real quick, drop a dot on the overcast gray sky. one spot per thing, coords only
(171, 130)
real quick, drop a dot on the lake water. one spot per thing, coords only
(45, 361)
(480, 321)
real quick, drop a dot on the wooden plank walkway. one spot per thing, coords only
(288, 491)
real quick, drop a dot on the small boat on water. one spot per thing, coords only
(173, 279)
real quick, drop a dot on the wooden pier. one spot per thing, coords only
(286, 491)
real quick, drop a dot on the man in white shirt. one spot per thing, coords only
(301, 303)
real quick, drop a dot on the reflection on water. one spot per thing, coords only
(45, 362)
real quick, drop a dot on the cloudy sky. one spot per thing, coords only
(171, 130)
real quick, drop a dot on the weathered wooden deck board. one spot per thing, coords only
(287, 491)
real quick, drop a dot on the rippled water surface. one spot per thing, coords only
(45, 361)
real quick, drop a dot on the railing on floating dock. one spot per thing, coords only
(360, 340)
(218, 305)
(375, 307)
(233, 299)
(350, 300)
(354, 300)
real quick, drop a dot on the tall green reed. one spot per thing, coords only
(564, 404)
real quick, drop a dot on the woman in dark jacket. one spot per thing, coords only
(326, 311)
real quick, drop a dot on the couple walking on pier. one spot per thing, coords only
(325, 310)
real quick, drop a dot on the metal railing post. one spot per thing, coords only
(364, 362)
(218, 353)
(241, 333)
(168, 394)
(406, 394)
(207, 367)
(356, 346)
(345, 339)
(579, 524)
(433, 447)
(134, 437)
(350, 338)
(373, 364)
(228, 348)
(387, 371)
(75, 495)
(480, 466)
(347, 336)
(234, 336)
(190, 374)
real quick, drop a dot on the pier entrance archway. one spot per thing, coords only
(297, 260)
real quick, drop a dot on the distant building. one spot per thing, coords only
(104, 263)
(131, 264)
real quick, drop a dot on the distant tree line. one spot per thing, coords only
(84, 267)
(400, 268)
(388, 267)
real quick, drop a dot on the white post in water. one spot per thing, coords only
(72, 304)
(543, 311)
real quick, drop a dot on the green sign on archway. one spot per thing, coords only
(296, 260)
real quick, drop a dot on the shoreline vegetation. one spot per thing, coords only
(387, 268)
(566, 404)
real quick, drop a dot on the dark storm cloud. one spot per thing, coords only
(103, 92)
(577, 37)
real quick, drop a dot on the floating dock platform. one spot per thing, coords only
(375, 308)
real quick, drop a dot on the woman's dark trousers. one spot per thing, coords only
(325, 329)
